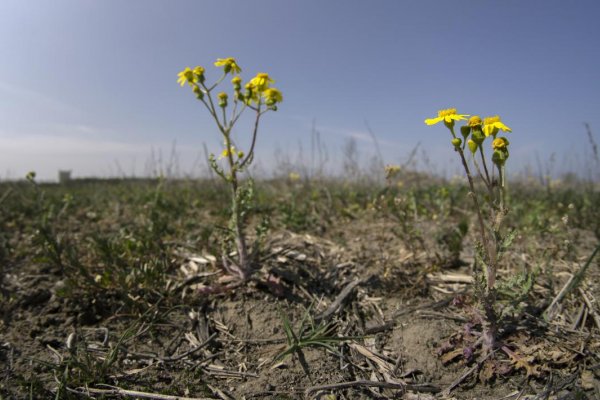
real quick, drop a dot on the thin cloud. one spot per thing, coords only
(35, 98)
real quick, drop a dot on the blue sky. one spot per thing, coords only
(91, 85)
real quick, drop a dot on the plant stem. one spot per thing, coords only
(251, 151)
(501, 178)
(491, 253)
(240, 239)
(487, 175)
(487, 183)
(489, 321)
(490, 250)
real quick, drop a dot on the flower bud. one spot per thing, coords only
(456, 142)
(198, 92)
(474, 121)
(465, 131)
(499, 157)
(199, 73)
(237, 83)
(472, 146)
(222, 99)
(477, 136)
(250, 94)
(500, 143)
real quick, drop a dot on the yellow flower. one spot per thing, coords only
(272, 96)
(261, 81)
(448, 116)
(294, 176)
(391, 171)
(475, 120)
(198, 70)
(491, 126)
(187, 76)
(229, 65)
(226, 152)
(500, 143)
(251, 94)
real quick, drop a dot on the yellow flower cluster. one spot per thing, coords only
(257, 89)
(261, 81)
(229, 65)
(191, 76)
(226, 152)
(491, 126)
(448, 115)
(476, 131)
(391, 171)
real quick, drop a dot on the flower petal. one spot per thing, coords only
(503, 127)
(433, 121)
(456, 117)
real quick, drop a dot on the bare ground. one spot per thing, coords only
(405, 327)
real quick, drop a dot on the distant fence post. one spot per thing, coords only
(64, 177)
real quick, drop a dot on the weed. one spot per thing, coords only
(308, 333)
(492, 241)
(79, 368)
(259, 97)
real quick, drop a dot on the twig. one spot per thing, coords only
(390, 324)
(187, 353)
(339, 300)
(255, 341)
(134, 393)
(551, 310)
(193, 280)
(573, 282)
(579, 317)
(272, 393)
(468, 372)
(433, 314)
(589, 302)
(424, 388)
(211, 370)
(218, 392)
(221, 289)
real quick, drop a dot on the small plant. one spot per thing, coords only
(492, 242)
(308, 334)
(80, 368)
(401, 206)
(451, 240)
(55, 246)
(259, 97)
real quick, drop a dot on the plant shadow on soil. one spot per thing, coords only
(404, 319)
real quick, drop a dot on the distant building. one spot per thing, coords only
(64, 177)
